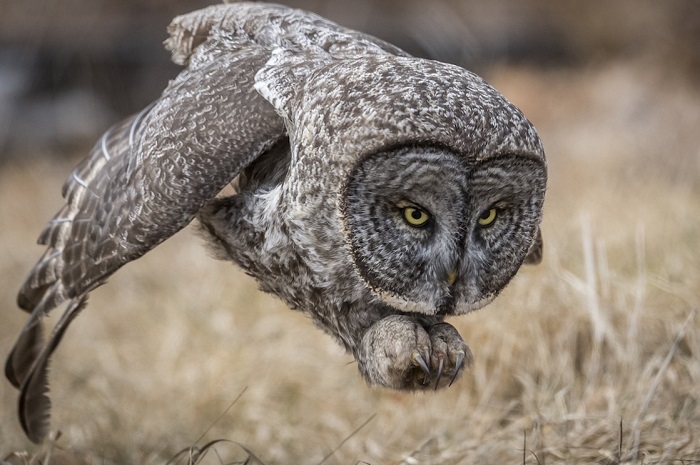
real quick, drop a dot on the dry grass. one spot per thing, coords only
(592, 357)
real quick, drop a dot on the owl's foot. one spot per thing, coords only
(399, 353)
(450, 354)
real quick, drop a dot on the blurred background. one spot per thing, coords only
(70, 68)
(569, 350)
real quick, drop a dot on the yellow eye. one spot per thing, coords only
(488, 217)
(415, 216)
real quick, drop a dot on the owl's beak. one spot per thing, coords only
(452, 276)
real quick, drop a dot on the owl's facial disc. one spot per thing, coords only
(403, 211)
(504, 211)
(428, 233)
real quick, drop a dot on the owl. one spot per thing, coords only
(376, 192)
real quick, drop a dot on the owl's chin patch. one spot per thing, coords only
(463, 307)
(408, 306)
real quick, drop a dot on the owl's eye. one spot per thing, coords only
(416, 217)
(488, 217)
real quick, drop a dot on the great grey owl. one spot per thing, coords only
(376, 192)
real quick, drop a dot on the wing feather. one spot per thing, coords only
(34, 402)
(142, 182)
(148, 176)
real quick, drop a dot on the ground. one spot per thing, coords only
(590, 357)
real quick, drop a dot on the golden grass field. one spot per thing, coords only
(591, 357)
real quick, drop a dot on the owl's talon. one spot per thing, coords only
(420, 361)
(395, 347)
(450, 354)
(458, 367)
(441, 366)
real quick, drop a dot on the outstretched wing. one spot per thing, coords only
(145, 180)
(148, 176)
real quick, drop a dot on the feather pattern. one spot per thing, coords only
(148, 176)
(330, 134)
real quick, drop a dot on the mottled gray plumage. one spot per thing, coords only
(376, 192)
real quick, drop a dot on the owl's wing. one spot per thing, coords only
(143, 181)
(148, 176)
(270, 26)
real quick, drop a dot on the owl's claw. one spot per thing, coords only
(450, 354)
(441, 366)
(400, 353)
(458, 368)
(420, 361)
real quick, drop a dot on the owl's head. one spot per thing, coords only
(430, 233)
(438, 180)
